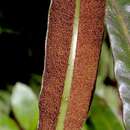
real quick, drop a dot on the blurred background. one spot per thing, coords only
(22, 37)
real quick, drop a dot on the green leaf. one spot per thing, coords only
(35, 83)
(101, 117)
(4, 102)
(5, 30)
(106, 62)
(107, 92)
(118, 25)
(25, 106)
(105, 59)
(110, 95)
(6, 123)
(85, 127)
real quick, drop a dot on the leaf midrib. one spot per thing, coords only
(70, 69)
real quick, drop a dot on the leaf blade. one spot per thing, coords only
(25, 106)
(6, 123)
(117, 21)
(102, 117)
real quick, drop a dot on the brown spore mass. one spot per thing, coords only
(91, 24)
(60, 29)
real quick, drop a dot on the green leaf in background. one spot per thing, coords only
(5, 30)
(108, 92)
(25, 106)
(118, 25)
(4, 102)
(6, 123)
(103, 69)
(85, 127)
(35, 83)
(110, 95)
(101, 116)
(106, 63)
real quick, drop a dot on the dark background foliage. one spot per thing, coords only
(22, 50)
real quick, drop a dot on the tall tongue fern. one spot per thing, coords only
(74, 37)
(118, 25)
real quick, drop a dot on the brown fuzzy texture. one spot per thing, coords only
(56, 62)
(86, 62)
(57, 53)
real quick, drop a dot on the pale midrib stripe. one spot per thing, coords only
(69, 73)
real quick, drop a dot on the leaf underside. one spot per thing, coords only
(118, 25)
(69, 73)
